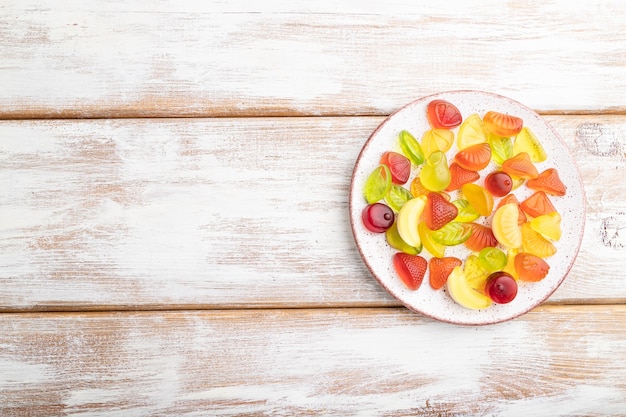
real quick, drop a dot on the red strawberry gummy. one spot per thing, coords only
(549, 182)
(443, 114)
(438, 211)
(439, 270)
(475, 157)
(461, 176)
(410, 268)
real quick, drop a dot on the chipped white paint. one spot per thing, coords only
(252, 212)
(291, 362)
(138, 58)
(226, 212)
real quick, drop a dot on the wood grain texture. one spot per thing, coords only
(186, 58)
(227, 213)
(555, 361)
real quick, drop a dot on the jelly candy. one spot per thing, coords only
(437, 140)
(512, 199)
(377, 217)
(479, 198)
(467, 212)
(426, 236)
(537, 204)
(417, 189)
(396, 242)
(505, 228)
(533, 242)
(408, 218)
(548, 225)
(471, 132)
(460, 176)
(440, 268)
(464, 293)
(399, 166)
(501, 148)
(498, 183)
(438, 211)
(492, 259)
(520, 166)
(452, 234)
(510, 263)
(410, 268)
(397, 197)
(501, 287)
(443, 115)
(526, 141)
(549, 182)
(377, 184)
(481, 238)
(530, 267)
(411, 148)
(475, 157)
(474, 272)
(435, 174)
(501, 124)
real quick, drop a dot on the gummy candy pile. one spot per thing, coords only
(442, 206)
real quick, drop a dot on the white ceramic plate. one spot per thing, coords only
(377, 254)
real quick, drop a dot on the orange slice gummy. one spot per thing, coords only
(534, 243)
(505, 228)
(548, 225)
(520, 166)
(508, 199)
(502, 124)
(475, 157)
(471, 132)
(437, 140)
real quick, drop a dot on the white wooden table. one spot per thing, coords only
(174, 235)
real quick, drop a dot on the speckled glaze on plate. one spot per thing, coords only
(377, 254)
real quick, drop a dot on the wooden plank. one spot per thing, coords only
(185, 58)
(555, 361)
(215, 213)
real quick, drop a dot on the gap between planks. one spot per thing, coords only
(78, 115)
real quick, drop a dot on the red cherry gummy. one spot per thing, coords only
(498, 183)
(438, 211)
(399, 166)
(443, 114)
(377, 217)
(460, 176)
(410, 268)
(501, 287)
